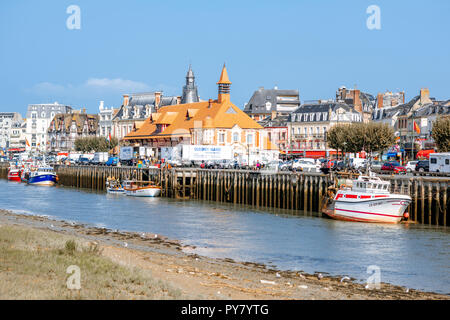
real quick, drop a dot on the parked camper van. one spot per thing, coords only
(440, 162)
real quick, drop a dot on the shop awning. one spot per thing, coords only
(315, 154)
(425, 153)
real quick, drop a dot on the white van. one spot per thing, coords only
(357, 163)
(440, 162)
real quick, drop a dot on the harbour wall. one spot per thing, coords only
(295, 192)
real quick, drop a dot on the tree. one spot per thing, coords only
(336, 137)
(357, 137)
(95, 144)
(378, 137)
(441, 134)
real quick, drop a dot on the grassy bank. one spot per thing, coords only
(33, 265)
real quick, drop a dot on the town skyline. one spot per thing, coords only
(50, 62)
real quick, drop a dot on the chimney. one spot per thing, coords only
(210, 101)
(357, 101)
(178, 99)
(125, 100)
(380, 100)
(274, 115)
(424, 94)
(157, 98)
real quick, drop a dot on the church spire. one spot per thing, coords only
(224, 85)
(190, 94)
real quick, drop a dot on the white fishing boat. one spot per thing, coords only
(141, 189)
(368, 199)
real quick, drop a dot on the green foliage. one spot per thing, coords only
(441, 134)
(70, 246)
(357, 137)
(95, 144)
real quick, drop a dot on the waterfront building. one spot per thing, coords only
(214, 122)
(106, 116)
(17, 137)
(7, 120)
(136, 108)
(65, 128)
(39, 117)
(266, 101)
(309, 124)
(414, 139)
(277, 131)
(362, 102)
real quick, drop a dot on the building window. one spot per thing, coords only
(249, 139)
(235, 137)
(221, 137)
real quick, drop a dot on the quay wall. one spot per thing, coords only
(298, 193)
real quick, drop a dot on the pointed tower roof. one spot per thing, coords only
(190, 73)
(224, 76)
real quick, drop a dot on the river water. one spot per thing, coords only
(414, 256)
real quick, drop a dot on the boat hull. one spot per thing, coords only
(43, 180)
(143, 192)
(377, 209)
(115, 190)
(14, 175)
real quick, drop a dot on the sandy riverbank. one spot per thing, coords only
(124, 265)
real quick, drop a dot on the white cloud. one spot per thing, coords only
(91, 86)
(116, 84)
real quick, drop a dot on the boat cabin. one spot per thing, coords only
(370, 185)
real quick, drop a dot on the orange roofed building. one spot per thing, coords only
(214, 122)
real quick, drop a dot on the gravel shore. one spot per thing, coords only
(167, 267)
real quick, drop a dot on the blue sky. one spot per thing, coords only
(136, 45)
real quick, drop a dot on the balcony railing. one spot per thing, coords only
(308, 136)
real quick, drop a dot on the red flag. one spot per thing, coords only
(416, 128)
(109, 136)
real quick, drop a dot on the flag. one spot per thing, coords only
(416, 127)
(26, 140)
(109, 137)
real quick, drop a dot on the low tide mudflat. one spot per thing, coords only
(35, 253)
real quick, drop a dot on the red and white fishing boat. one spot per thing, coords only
(368, 199)
(14, 174)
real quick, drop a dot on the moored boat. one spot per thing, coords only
(141, 189)
(368, 199)
(42, 176)
(114, 187)
(14, 174)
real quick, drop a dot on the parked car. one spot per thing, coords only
(83, 161)
(411, 166)
(286, 165)
(338, 165)
(305, 165)
(224, 164)
(112, 161)
(376, 164)
(423, 166)
(394, 167)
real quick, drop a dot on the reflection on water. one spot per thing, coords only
(410, 255)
